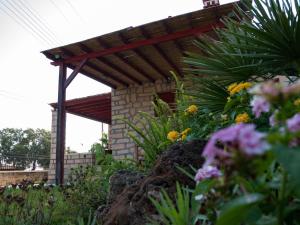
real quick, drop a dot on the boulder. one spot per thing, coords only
(132, 206)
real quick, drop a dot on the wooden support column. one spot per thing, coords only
(61, 125)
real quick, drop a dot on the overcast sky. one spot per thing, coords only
(27, 80)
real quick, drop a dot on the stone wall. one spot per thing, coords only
(70, 161)
(12, 177)
(126, 103)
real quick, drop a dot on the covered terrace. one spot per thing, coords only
(134, 56)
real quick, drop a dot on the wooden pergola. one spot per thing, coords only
(132, 56)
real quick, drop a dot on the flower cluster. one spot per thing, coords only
(207, 172)
(240, 137)
(259, 105)
(273, 90)
(174, 135)
(236, 88)
(293, 124)
(242, 118)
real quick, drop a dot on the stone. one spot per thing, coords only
(132, 206)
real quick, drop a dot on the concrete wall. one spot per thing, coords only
(126, 103)
(12, 177)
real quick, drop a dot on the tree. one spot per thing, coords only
(23, 148)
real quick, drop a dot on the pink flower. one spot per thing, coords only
(293, 124)
(272, 120)
(239, 137)
(207, 172)
(292, 89)
(259, 104)
(251, 142)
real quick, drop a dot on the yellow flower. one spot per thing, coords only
(183, 137)
(242, 118)
(238, 87)
(247, 85)
(186, 131)
(231, 86)
(173, 135)
(297, 102)
(192, 109)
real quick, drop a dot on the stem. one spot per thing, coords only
(281, 198)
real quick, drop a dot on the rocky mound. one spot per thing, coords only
(132, 206)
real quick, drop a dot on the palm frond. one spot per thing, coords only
(265, 41)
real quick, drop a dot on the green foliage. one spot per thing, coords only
(89, 186)
(178, 213)
(35, 205)
(21, 148)
(87, 189)
(264, 43)
(238, 209)
(152, 133)
(259, 41)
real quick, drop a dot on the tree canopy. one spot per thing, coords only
(25, 148)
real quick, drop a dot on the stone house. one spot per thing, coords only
(136, 63)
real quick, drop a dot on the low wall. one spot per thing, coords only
(71, 161)
(12, 177)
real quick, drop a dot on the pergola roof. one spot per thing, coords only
(140, 54)
(96, 107)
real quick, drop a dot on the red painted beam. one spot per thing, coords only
(151, 41)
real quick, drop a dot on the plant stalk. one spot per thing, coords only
(281, 198)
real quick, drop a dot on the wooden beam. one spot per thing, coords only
(75, 72)
(131, 65)
(111, 65)
(92, 76)
(61, 126)
(111, 76)
(97, 68)
(90, 118)
(169, 31)
(134, 45)
(141, 55)
(161, 52)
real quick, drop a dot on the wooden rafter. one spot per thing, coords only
(104, 61)
(169, 31)
(161, 52)
(137, 44)
(92, 76)
(142, 56)
(131, 65)
(97, 68)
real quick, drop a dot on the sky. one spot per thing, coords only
(28, 83)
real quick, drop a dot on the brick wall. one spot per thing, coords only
(12, 177)
(126, 103)
(70, 161)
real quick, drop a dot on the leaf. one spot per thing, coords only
(236, 211)
(289, 158)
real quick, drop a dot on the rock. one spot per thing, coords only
(120, 180)
(117, 183)
(132, 206)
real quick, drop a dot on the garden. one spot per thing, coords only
(227, 155)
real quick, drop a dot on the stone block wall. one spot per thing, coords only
(126, 103)
(13, 177)
(70, 161)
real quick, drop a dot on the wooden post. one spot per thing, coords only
(61, 125)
